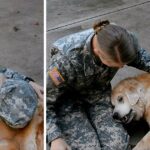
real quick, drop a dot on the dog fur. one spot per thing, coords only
(131, 101)
(27, 138)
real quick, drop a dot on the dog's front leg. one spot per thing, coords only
(144, 144)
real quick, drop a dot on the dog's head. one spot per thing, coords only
(127, 100)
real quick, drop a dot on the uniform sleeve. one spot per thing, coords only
(54, 92)
(142, 60)
(10, 74)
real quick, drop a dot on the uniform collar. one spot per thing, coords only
(92, 65)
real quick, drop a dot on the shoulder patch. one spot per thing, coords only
(56, 76)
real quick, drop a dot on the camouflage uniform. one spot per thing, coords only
(18, 99)
(79, 108)
(11, 74)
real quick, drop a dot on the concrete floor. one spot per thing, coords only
(21, 36)
(68, 16)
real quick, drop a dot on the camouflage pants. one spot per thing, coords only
(90, 126)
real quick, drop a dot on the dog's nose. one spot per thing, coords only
(116, 115)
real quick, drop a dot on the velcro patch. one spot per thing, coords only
(56, 76)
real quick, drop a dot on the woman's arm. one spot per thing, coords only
(38, 89)
(58, 77)
(53, 131)
(11, 74)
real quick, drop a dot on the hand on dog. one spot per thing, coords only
(59, 144)
(38, 89)
(2, 79)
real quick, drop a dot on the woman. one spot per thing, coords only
(18, 98)
(79, 113)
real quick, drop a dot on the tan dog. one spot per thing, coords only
(27, 138)
(131, 101)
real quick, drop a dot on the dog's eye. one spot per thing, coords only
(112, 106)
(120, 99)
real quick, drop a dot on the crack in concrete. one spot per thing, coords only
(96, 16)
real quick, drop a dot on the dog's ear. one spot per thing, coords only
(135, 95)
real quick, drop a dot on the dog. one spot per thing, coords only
(131, 101)
(28, 138)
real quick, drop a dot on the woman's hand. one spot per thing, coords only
(2, 79)
(59, 144)
(38, 89)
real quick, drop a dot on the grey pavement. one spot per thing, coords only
(68, 16)
(21, 36)
(64, 12)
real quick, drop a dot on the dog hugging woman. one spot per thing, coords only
(21, 112)
(79, 110)
(19, 98)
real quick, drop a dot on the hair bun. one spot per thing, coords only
(99, 25)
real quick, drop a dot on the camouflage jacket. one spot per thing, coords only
(74, 67)
(18, 99)
(11, 74)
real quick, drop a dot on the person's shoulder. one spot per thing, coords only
(72, 41)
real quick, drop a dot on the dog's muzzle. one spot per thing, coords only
(124, 119)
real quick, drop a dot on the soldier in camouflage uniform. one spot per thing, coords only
(18, 98)
(79, 111)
